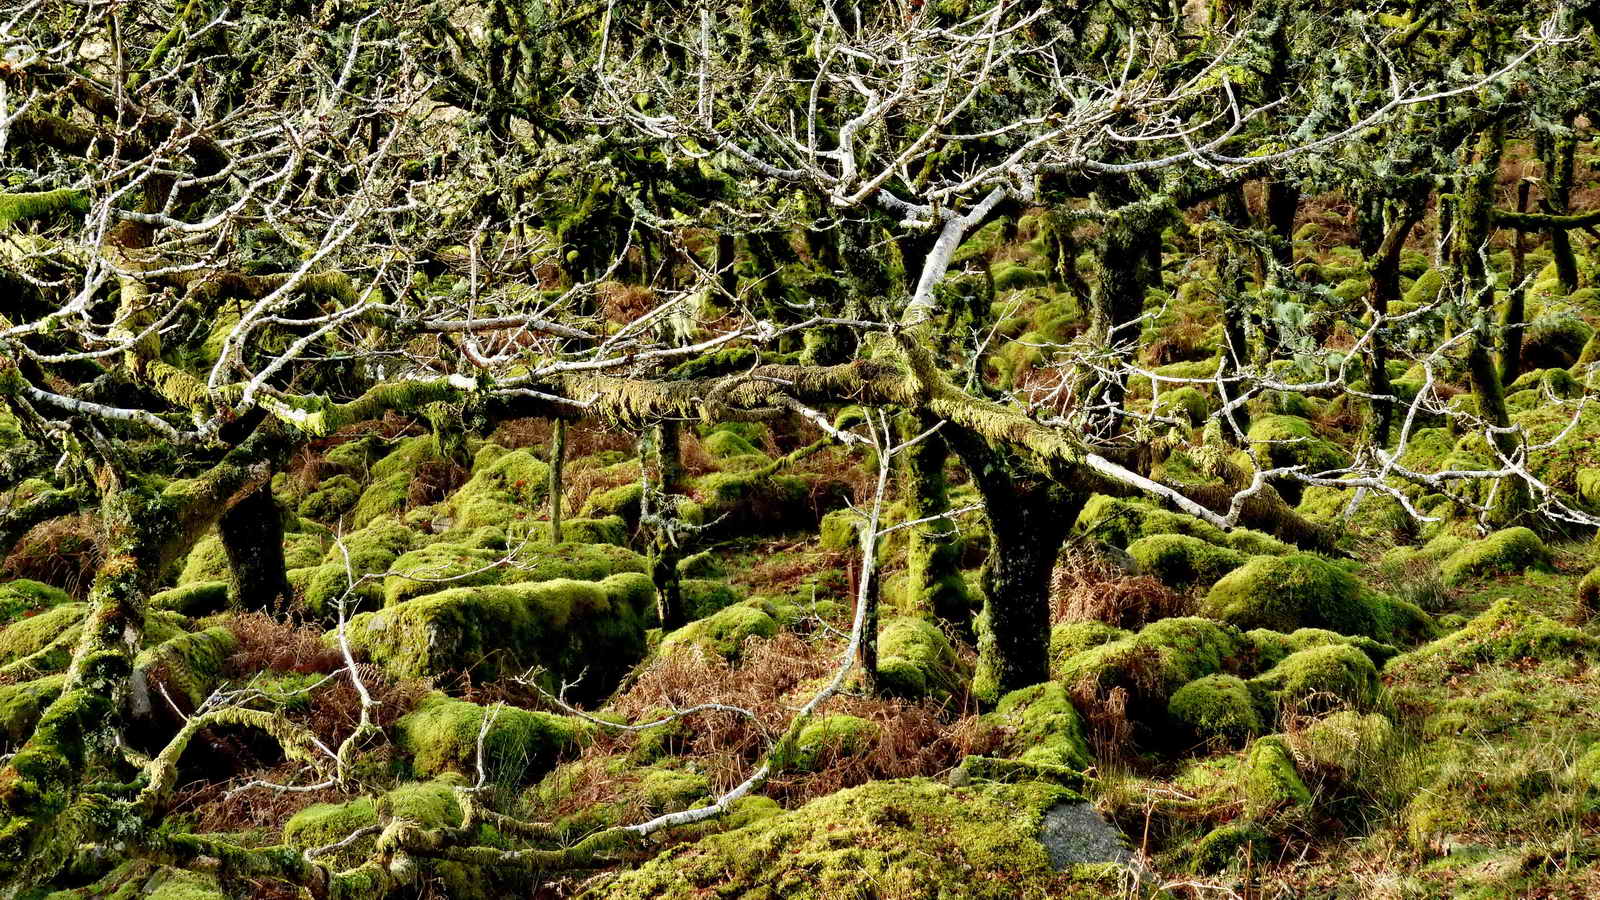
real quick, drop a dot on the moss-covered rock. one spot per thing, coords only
(1235, 845)
(1120, 521)
(912, 838)
(621, 501)
(1303, 590)
(22, 704)
(726, 631)
(325, 824)
(825, 739)
(441, 735)
(23, 597)
(1269, 779)
(505, 487)
(564, 626)
(197, 598)
(207, 561)
(1290, 441)
(426, 569)
(1185, 403)
(56, 626)
(840, 531)
(1071, 638)
(1506, 632)
(1042, 727)
(1217, 707)
(1323, 677)
(916, 660)
(1347, 741)
(752, 503)
(372, 548)
(1181, 561)
(704, 597)
(1504, 552)
(332, 499)
(1271, 647)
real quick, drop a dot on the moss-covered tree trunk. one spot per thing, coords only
(1474, 226)
(934, 552)
(252, 535)
(1129, 264)
(1513, 317)
(1029, 517)
(1560, 160)
(1383, 267)
(662, 464)
(558, 462)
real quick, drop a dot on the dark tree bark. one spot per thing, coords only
(934, 554)
(1029, 517)
(252, 535)
(663, 469)
(558, 461)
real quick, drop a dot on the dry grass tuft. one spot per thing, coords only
(1087, 587)
(64, 552)
(266, 643)
(433, 481)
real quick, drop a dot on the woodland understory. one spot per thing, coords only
(808, 449)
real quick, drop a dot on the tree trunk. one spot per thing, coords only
(1029, 517)
(1513, 319)
(1560, 161)
(1384, 290)
(663, 470)
(252, 535)
(558, 460)
(934, 553)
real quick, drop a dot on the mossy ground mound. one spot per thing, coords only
(441, 735)
(916, 659)
(564, 627)
(910, 839)
(1303, 590)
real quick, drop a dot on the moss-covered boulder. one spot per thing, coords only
(1042, 727)
(1347, 741)
(22, 704)
(1120, 521)
(332, 499)
(1071, 638)
(207, 561)
(326, 824)
(1290, 441)
(566, 627)
(1323, 677)
(57, 626)
(916, 659)
(197, 598)
(1217, 708)
(1268, 648)
(1284, 593)
(23, 597)
(825, 739)
(1269, 779)
(1506, 632)
(426, 570)
(911, 838)
(506, 487)
(1181, 561)
(1504, 552)
(756, 503)
(621, 501)
(441, 735)
(726, 631)
(840, 531)
(372, 548)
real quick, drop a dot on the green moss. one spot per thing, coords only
(302, 549)
(1217, 707)
(1186, 403)
(910, 838)
(750, 503)
(207, 561)
(331, 499)
(194, 599)
(1120, 522)
(1555, 341)
(1235, 845)
(1289, 441)
(825, 739)
(1181, 561)
(421, 571)
(726, 631)
(566, 627)
(1190, 646)
(839, 531)
(1505, 552)
(724, 445)
(384, 497)
(431, 804)
(322, 586)
(374, 547)
(604, 530)
(31, 634)
(506, 486)
(1347, 741)
(23, 597)
(441, 735)
(916, 660)
(1322, 677)
(1043, 728)
(189, 664)
(1269, 779)
(705, 596)
(323, 824)
(22, 704)
(1268, 648)
(1011, 276)
(621, 501)
(1070, 638)
(669, 790)
(1302, 590)
(1506, 632)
